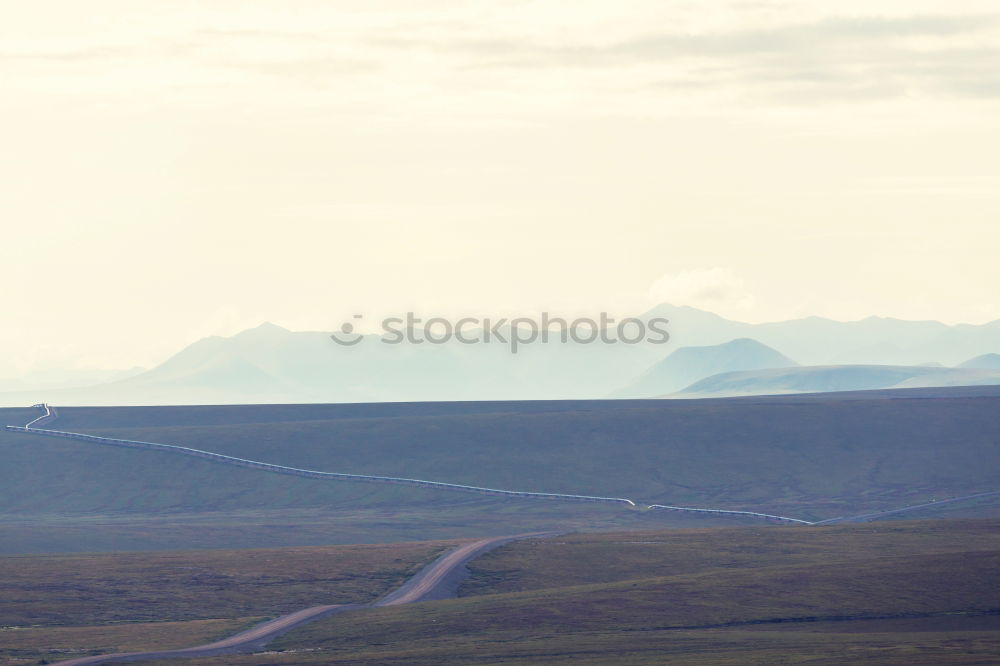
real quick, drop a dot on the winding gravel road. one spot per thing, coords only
(438, 580)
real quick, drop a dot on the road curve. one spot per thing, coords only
(438, 580)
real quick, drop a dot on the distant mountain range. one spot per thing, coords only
(826, 378)
(819, 341)
(690, 364)
(269, 364)
(984, 362)
(56, 377)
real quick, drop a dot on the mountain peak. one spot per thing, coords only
(743, 342)
(265, 329)
(984, 362)
(687, 365)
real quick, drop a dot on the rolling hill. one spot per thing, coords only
(913, 592)
(813, 457)
(687, 365)
(916, 593)
(816, 379)
(984, 362)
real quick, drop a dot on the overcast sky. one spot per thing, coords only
(172, 170)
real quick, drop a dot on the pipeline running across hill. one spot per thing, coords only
(295, 471)
(751, 514)
(50, 414)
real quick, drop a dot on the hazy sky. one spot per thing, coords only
(177, 169)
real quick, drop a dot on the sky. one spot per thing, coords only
(172, 170)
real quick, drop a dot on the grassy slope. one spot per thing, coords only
(933, 642)
(584, 559)
(185, 585)
(809, 457)
(815, 458)
(272, 528)
(627, 597)
(877, 587)
(24, 646)
(613, 609)
(63, 496)
(56, 606)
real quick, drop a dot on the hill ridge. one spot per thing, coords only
(50, 414)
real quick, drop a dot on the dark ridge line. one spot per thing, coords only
(824, 618)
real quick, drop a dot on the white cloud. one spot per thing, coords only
(717, 289)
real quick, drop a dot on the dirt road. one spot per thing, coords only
(438, 580)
